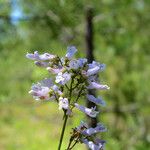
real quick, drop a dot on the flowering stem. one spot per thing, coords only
(71, 147)
(60, 61)
(70, 89)
(80, 92)
(70, 142)
(67, 87)
(62, 132)
(65, 119)
(73, 144)
(55, 97)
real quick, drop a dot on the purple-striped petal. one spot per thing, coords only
(41, 90)
(97, 129)
(42, 57)
(42, 64)
(89, 111)
(93, 71)
(55, 70)
(94, 64)
(95, 100)
(71, 50)
(34, 56)
(63, 78)
(92, 145)
(46, 56)
(94, 85)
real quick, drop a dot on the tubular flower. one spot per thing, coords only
(92, 145)
(55, 70)
(42, 64)
(70, 81)
(98, 128)
(94, 85)
(88, 111)
(63, 103)
(95, 100)
(96, 64)
(41, 90)
(93, 71)
(71, 50)
(63, 78)
(42, 57)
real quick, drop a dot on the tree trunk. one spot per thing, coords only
(90, 56)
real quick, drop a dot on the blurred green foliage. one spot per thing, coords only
(121, 41)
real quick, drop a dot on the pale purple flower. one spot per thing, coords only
(95, 100)
(81, 62)
(63, 103)
(97, 141)
(59, 78)
(80, 73)
(34, 56)
(94, 85)
(46, 56)
(55, 87)
(69, 112)
(55, 70)
(41, 90)
(97, 129)
(97, 64)
(93, 71)
(89, 111)
(42, 57)
(73, 64)
(102, 67)
(47, 82)
(92, 145)
(94, 68)
(63, 78)
(92, 78)
(56, 90)
(42, 64)
(71, 50)
(82, 126)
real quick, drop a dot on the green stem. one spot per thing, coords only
(60, 61)
(70, 148)
(80, 92)
(70, 90)
(70, 142)
(62, 132)
(65, 117)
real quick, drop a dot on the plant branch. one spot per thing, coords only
(70, 142)
(62, 132)
(73, 144)
(65, 119)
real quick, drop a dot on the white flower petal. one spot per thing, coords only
(63, 103)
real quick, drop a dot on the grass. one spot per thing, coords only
(32, 127)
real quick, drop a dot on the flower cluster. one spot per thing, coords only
(86, 135)
(70, 80)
